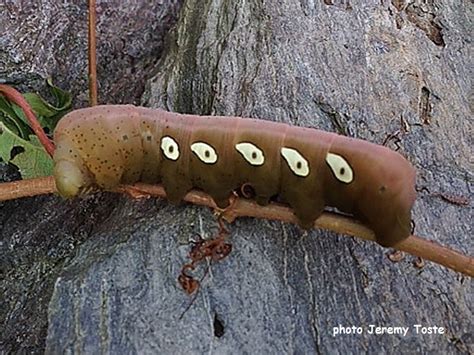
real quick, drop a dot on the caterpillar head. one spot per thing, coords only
(373, 183)
(70, 173)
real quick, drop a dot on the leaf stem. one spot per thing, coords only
(92, 55)
(14, 96)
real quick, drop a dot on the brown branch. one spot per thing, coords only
(26, 188)
(14, 96)
(92, 55)
(414, 245)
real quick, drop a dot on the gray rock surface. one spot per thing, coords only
(49, 39)
(98, 274)
(38, 235)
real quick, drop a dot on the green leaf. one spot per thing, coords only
(16, 135)
(49, 114)
(32, 160)
(9, 117)
(39, 105)
(21, 121)
(63, 98)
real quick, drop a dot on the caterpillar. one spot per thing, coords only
(308, 169)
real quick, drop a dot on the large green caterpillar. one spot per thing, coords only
(307, 168)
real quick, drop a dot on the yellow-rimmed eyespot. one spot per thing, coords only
(204, 152)
(170, 148)
(340, 168)
(296, 162)
(251, 153)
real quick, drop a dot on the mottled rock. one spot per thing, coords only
(106, 267)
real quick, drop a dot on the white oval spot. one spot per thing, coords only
(340, 167)
(205, 152)
(251, 153)
(170, 148)
(296, 162)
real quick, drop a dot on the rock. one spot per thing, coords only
(99, 274)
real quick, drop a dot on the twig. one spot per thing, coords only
(414, 245)
(14, 96)
(26, 188)
(92, 55)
